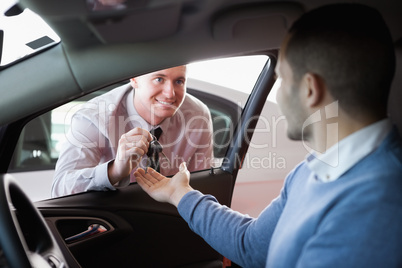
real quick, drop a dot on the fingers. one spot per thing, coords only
(135, 152)
(141, 180)
(139, 132)
(151, 175)
(135, 143)
(132, 146)
(183, 167)
(148, 179)
(155, 175)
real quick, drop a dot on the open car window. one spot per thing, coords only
(223, 85)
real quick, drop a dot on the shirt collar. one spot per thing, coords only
(346, 153)
(134, 116)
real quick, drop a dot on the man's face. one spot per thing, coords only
(289, 101)
(160, 94)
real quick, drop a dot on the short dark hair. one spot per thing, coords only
(350, 47)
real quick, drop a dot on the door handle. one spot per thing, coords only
(92, 230)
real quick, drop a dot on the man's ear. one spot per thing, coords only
(133, 82)
(313, 90)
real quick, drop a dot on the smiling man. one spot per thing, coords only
(158, 98)
(110, 135)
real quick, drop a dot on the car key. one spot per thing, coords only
(155, 148)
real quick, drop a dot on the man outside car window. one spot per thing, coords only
(110, 135)
(342, 206)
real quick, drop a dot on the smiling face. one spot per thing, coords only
(160, 94)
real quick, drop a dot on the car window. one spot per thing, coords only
(223, 85)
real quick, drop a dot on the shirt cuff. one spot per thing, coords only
(101, 178)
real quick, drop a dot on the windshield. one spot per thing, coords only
(23, 34)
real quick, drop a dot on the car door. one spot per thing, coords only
(126, 228)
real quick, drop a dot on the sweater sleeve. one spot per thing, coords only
(240, 238)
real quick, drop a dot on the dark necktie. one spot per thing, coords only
(154, 149)
(157, 132)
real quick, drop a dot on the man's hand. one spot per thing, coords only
(132, 146)
(165, 189)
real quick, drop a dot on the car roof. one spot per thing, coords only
(101, 47)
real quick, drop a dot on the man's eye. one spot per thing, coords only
(159, 79)
(180, 82)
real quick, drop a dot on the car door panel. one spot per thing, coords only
(140, 231)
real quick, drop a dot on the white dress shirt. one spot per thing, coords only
(96, 128)
(342, 156)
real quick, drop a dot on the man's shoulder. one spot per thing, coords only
(193, 104)
(388, 156)
(113, 96)
(300, 172)
(106, 104)
(382, 169)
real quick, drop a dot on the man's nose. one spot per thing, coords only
(168, 90)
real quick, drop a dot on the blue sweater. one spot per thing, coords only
(354, 221)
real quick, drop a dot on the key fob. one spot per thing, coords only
(154, 148)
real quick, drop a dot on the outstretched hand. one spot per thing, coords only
(164, 189)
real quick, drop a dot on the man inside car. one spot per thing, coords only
(341, 207)
(110, 135)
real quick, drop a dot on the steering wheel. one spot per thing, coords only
(26, 240)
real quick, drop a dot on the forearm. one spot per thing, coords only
(69, 181)
(232, 234)
(178, 194)
(113, 175)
